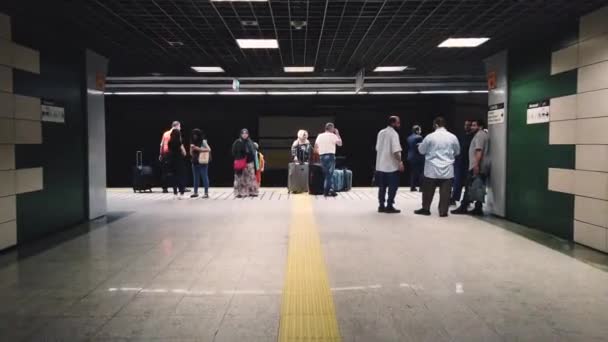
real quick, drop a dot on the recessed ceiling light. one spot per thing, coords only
(463, 42)
(239, 0)
(390, 68)
(207, 69)
(175, 43)
(258, 43)
(249, 23)
(298, 24)
(299, 68)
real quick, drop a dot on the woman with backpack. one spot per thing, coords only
(201, 156)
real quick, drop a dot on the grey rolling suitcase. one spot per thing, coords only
(297, 179)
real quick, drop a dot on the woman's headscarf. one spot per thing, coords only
(249, 147)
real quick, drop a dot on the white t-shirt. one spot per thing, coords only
(387, 145)
(440, 149)
(326, 142)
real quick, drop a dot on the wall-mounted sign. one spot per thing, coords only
(52, 111)
(496, 114)
(538, 112)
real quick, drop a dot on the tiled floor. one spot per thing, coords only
(158, 269)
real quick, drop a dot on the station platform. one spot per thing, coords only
(284, 267)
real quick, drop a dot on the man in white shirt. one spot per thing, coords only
(440, 149)
(388, 165)
(325, 145)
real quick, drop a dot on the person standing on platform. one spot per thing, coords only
(163, 155)
(261, 165)
(175, 163)
(201, 153)
(415, 160)
(246, 164)
(478, 170)
(462, 163)
(440, 149)
(388, 165)
(325, 145)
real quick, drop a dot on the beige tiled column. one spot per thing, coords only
(20, 123)
(582, 120)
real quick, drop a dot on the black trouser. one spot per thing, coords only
(164, 174)
(428, 192)
(416, 170)
(387, 181)
(176, 177)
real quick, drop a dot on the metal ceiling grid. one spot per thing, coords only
(338, 37)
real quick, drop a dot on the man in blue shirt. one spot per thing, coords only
(440, 149)
(415, 160)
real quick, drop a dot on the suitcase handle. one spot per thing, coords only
(139, 160)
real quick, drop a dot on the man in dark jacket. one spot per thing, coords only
(415, 160)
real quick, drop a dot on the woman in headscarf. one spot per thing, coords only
(301, 148)
(244, 150)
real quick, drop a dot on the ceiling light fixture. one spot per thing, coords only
(239, 0)
(298, 24)
(241, 93)
(207, 69)
(292, 93)
(463, 42)
(393, 92)
(139, 93)
(341, 93)
(390, 68)
(299, 68)
(175, 43)
(258, 43)
(190, 93)
(445, 92)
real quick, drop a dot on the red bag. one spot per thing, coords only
(240, 164)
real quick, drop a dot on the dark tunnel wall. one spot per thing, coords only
(137, 123)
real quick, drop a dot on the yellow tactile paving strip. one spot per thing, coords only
(307, 311)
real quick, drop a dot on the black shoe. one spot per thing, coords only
(476, 212)
(413, 190)
(452, 203)
(253, 195)
(460, 211)
(423, 212)
(392, 210)
(381, 209)
(331, 194)
(165, 191)
(194, 196)
(443, 215)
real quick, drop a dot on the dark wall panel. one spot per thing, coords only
(62, 154)
(137, 122)
(529, 154)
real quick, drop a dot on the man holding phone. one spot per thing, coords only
(325, 145)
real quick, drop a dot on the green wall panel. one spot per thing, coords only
(529, 154)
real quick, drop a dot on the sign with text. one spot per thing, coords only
(52, 111)
(496, 114)
(538, 112)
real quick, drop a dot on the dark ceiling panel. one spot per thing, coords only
(338, 37)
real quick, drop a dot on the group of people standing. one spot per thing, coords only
(438, 160)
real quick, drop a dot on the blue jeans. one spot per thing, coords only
(328, 162)
(387, 181)
(200, 171)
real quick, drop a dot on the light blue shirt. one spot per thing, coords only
(440, 149)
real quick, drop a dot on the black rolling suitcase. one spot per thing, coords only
(317, 180)
(143, 176)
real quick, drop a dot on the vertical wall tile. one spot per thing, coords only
(7, 157)
(594, 24)
(5, 27)
(26, 59)
(8, 234)
(564, 60)
(27, 108)
(592, 104)
(590, 210)
(561, 180)
(7, 131)
(593, 50)
(593, 77)
(592, 131)
(28, 132)
(28, 180)
(563, 108)
(6, 52)
(562, 132)
(6, 79)
(7, 105)
(8, 209)
(592, 158)
(590, 235)
(591, 184)
(7, 183)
